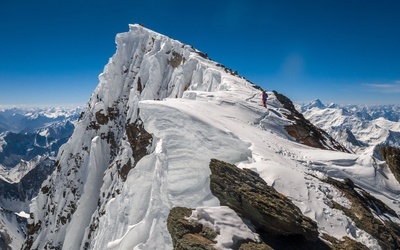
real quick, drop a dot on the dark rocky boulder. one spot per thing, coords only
(392, 157)
(278, 221)
(364, 211)
(188, 235)
(344, 244)
(304, 131)
(254, 246)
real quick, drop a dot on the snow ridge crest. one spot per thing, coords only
(146, 66)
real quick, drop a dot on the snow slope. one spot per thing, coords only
(195, 110)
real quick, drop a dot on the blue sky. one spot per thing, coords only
(51, 52)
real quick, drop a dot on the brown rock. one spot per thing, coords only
(248, 194)
(364, 210)
(186, 234)
(304, 131)
(392, 157)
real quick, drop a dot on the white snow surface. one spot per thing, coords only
(195, 111)
(3, 143)
(229, 226)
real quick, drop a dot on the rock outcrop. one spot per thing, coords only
(304, 131)
(188, 234)
(369, 214)
(344, 244)
(276, 218)
(392, 157)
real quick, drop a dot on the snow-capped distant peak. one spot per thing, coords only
(333, 105)
(314, 104)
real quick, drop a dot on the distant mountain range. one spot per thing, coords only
(31, 119)
(29, 142)
(27, 133)
(364, 112)
(361, 129)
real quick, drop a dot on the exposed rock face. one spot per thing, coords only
(189, 234)
(271, 212)
(346, 243)
(139, 139)
(392, 157)
(364, 211)
(186, 234)
(304, 131)
(176, 59)
(254, 246)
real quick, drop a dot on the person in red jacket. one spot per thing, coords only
(264, 98)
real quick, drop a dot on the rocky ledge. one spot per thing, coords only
(304, 131)
(275, 217)
(369, 213)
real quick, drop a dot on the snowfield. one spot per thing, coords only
(216, 115)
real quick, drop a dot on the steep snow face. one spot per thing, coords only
(138, 151)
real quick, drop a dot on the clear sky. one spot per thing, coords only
(343, 51)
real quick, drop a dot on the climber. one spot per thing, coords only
(264, 98)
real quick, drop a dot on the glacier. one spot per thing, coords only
(143, 144)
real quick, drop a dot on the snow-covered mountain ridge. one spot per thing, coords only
(143, 145)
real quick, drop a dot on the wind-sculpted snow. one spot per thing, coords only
(107, 194)
(174, 175)
(145, 67)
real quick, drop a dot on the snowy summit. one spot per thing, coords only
(143, 149)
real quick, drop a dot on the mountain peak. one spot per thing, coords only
(316, 104)
(143, 145)
(140, 28)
